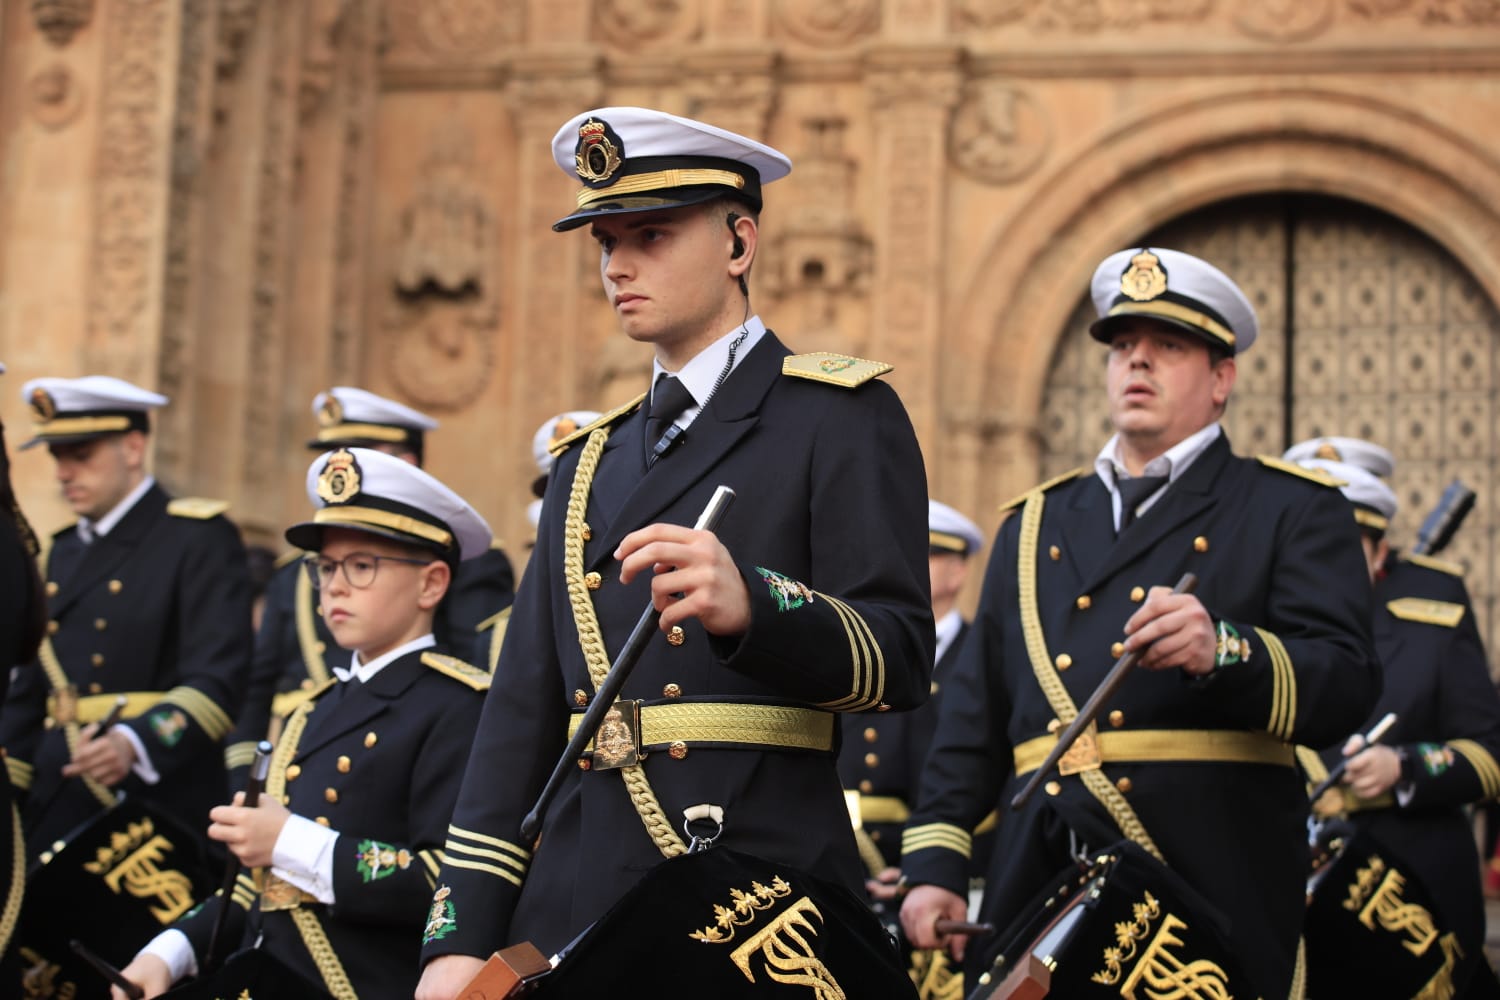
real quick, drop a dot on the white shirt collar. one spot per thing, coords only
(699, 375)
(364, 671)
(948, 628)
(89, 530)
(1172, 463)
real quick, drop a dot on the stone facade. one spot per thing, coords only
(240, 202)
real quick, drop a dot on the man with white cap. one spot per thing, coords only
(1408, 791)
(811, 599)
(1192, 757)
(294, 649)
(148, 597)
(346, 838)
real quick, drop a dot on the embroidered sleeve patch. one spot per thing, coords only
(1435, 757)
(1230, 648)
(377, 860)
(789, 593)
(168, 724)
(442, 918)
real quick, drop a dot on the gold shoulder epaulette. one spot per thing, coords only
(1016, 501)
(835, 369)
(288, 557)
(197, 508)
(1429, 562)
(493, 620)
(464, 673)
(1427, 611)
(1293, 469)
(562, 444)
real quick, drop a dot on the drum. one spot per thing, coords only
(250, 973)
(1124, 925)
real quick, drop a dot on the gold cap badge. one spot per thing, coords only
(331, 413)
(1326, 450)
(339, 480)
(42, 404)
(1144, 279)
(599, 153)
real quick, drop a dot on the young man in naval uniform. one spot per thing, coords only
(294, 649)
(147, 597)
(811, 599)
(369, 765)
(1193, 758)
(1409, 790)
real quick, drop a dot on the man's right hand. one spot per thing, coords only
(149, 973)
(445, 976)
(924, 907)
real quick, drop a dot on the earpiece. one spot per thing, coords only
(739, 244)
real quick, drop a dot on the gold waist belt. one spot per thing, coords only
(694, 722)
(882, 809)
(67, 706)
(1142, 746)
(279, 894)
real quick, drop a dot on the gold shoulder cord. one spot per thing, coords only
(587, 624)
(1052, 686)
(307, 632)
(314, 938)
(52, 667)
(12, 910)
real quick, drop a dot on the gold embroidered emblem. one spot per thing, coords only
(132, 863)
(742, 910)
(339, 480)
(331, 413)
(1083, 755)
(1144, 279)
(617, 743)
(41, 978)
(1161, 972)
(787, 949)
(934, 975)
(42, 404)
(831, 365)
(1376, 894)
(1328, 451)
(599, 153)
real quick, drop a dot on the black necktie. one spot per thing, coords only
(668, 400)
(1132, 492)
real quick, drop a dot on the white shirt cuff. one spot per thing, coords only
(142, 766)
(174, 948)
(303, 856)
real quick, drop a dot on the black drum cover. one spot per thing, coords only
(252, 974)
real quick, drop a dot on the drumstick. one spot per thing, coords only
(1374, 736)
(1092, 707)
(131, 990)
(944, 926)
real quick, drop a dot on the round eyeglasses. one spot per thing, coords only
(359, 568)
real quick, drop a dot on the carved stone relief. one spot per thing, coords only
(832, 22)
(60, 20)
(236, 21)
(638, 22)
(457, 29)
(1283, 20)
(1081, 16)
(1000, 133)
(55, 96)
(1458, 12)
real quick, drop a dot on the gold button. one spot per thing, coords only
(1200, 544)
(1053, 787)
(52, 627)
(97, 659)
(580, 697)
(871, 759)
(95, 688)
(344, 764)
(882, 707)
(871, 734)
(1137, 594)
(1055, 553)
(676, 637)
(308, 684)
(320, 646)
(1054, 725)
(671, 691)
(51, 588)
(1117, 650)
(678, 749)
(48, 722)
(370, 739)
(292, 771)
(874, 834)
(593, 581)
(1084, 603)
(100, 624)
(1117, 718)
(1064, 661)
(586, 532)
(115, 586)
(1124, 785)
(322, 821)
(867, 786)
(583, 765)
(331, 794)
(319, 610)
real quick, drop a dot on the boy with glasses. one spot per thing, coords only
(368, 768)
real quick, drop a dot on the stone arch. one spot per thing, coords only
(1166, 161)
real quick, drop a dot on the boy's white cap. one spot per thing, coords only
(1374, 502)
(350, 416)
(1365, 454)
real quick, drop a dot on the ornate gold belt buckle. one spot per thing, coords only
(1083, 755)
(618, 742)
(278, 894)
(65, 705)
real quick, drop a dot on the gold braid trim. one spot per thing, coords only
(869, 853)
(24, 530)
(12, 910)
(1483, 763)
(307, 631)
(592, 642)
(1052, 686)
(52, 667)
(323, 955)
(1299, 974)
